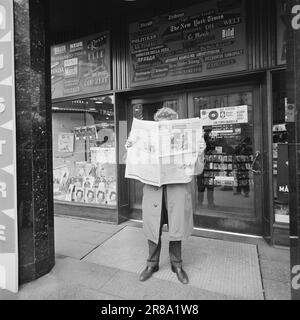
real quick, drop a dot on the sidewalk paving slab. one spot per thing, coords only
(50, 288)
(267, 252)
(76, 238)
(74, 249)
(275, 270)
(85, 224)
(276, 290)
(78, 272)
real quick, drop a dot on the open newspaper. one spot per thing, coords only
(165, 152)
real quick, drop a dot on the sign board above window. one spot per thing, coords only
(202, 40)
(81, 66)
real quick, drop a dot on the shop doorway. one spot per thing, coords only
(144, 109)
(228, 195)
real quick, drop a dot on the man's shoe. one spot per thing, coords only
(181, 274)
(147, 273)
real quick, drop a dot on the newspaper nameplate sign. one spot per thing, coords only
(165, 152)
(205, 39)
(81, 66)
(222, 116)
(8, 192)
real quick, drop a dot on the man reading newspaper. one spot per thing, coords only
(165, 155)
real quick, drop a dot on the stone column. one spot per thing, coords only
(34, 139)
(293, 118)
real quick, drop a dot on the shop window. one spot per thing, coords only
(84, 152)
(146, 111)
(226, 185)
(280, 150)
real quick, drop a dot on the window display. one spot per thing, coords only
(226, 185)
(280, 150)
(84, 150)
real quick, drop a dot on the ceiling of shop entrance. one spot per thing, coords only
(82, 16)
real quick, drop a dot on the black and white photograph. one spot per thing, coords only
(149, 154)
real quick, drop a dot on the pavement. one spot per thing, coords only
(100, 261)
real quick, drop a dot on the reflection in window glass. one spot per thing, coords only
(280, 150)
(226, 184)
(146, 111)
(84, 151)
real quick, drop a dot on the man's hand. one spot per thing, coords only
(131, 141)
(128, 144)
(124, 157)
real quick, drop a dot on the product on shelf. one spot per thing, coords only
(227, 170)
(78, 195)
(92, 181)
(89, 195)
(65, 143)
(90, 184)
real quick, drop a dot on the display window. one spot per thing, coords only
(84, 152)
(280, 150)
(226, 184)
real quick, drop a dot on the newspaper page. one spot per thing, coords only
(165, 152)
(142, 161)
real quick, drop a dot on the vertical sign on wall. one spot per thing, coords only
(8, 201)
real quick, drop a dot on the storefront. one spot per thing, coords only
(223, 61)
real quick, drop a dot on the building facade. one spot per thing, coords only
(224, 61)
(227, 59)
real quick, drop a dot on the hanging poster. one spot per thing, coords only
(201, 40)
(81, 66)
(65, 142)
(8, 190)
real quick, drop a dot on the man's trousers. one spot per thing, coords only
(174, 246)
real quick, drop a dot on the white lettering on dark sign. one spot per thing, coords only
(296, 18)
(296, 277)
(284, 189)
(60, 49)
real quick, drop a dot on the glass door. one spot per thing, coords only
(144, 109)
(228, 194)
